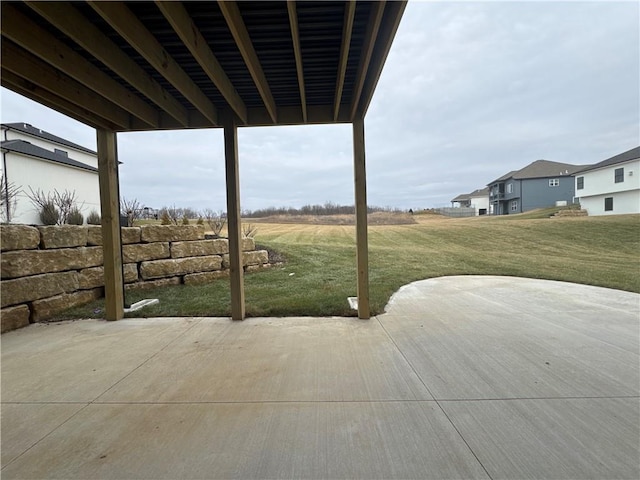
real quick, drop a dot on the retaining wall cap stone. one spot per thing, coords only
(171, 233)
(62, 236)
(19, 237)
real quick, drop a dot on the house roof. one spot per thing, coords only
(632, 154)
(481, 192)
(36, 132)
(129, 66)
(541, 169)
(26, 148)
(461, 198)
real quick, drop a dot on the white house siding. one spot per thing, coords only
(599, 184)
(623, 202)
(479, 203)
(25, 171)
(78, 155)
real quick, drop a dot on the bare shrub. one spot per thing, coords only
(214, 220)
(94, 218)
(56, 205)
(185, 220)
(132, 209)
(75, 217)
(165, 219)
(8, 199)
(249, 230)
(49, 214)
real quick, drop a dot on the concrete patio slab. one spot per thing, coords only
(576, 437)
(252, 441)
(78, 361)
(464, 377)
(499, 337)
(25, 424)
(291, 359)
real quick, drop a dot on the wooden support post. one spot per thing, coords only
(233, 218)
(110, 211)
(362, 252)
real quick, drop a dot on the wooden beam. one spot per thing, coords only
(370, 36)
(362, 248)
(386, 34)
(295, 37)
(25, 65)
(110, 212)
(41, 43)
(36, 93)
(231, 14)
(73, 24)
(347, 29)
(123, 21)
(233, 219)
(179, 18)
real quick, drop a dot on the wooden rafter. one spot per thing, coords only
(123, 21)
(375, 18)
(26, 65)
(179, 18)
(28, 89)
(347, 29)
(44, 45)
(295, 37)
(73, 24)
(240, 34)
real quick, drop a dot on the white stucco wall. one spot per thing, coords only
(24, 172)
(480, 202)
(623, 202)
(599, 184)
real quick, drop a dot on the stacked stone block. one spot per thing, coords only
(48, 269)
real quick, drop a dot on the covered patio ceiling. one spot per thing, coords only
(130, 66)
(143, 66)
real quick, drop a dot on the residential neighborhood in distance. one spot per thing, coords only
(33, 159)
(608, 187)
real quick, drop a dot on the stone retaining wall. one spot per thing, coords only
(50, 268)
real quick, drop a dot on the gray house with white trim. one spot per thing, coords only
(540, 184)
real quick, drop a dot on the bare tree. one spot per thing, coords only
(8, 199)
(131, 208)
(214, 220)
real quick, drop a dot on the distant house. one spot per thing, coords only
(35, 159)
(538, 185)
(611, 186)
(478, 200)
(461, 201)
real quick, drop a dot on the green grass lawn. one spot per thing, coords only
(320, 273)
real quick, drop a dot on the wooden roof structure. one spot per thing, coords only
(132, 66)
(142, 66)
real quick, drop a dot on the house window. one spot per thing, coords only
(580, 183)
(554, 182)
(509, 187)
(619, 175)
(608, 204)
(514, 205)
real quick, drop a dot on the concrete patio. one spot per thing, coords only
(463, 377)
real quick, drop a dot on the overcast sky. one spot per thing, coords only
(470, 91)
